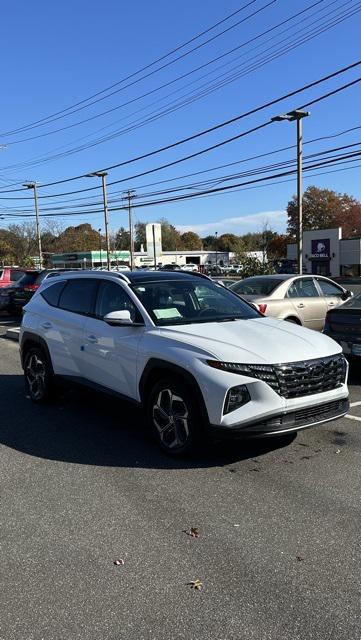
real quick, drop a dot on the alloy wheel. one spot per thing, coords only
(171, 419)
(35, 376)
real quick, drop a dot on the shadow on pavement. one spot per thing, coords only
(84, 427)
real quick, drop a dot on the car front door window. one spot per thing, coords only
(112, 297)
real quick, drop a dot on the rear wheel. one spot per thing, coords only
(39, 378)
(293, 320)
(173, 416)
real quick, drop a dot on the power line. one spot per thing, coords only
(33, 125)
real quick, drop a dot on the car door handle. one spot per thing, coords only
(46, 325)
(300, 306)
(92, 338)
(331, 304)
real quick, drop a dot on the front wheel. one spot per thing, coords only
(38, 375)
(173, 416)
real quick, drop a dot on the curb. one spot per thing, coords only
(13, 334)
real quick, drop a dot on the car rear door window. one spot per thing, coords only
(303, 288)
(329, 288)
(52, 294)
(78, 296)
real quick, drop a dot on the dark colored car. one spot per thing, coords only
(343, 324)
(170, 267)
(26, 287)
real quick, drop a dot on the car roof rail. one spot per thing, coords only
(94, 272)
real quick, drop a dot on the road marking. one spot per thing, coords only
(353, 418)
(355, 404)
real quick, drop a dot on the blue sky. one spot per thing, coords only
(57, 54)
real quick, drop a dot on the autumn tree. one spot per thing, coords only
(325, 209)
(80, 238)
(190, 241)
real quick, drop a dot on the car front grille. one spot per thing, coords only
(304, 378)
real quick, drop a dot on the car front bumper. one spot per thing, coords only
(286, 422)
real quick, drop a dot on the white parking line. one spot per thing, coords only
(355, 404)
(353, 418)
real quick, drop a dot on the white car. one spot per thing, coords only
(192, 353)
(189, 267)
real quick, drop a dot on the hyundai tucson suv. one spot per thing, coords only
(194, 355)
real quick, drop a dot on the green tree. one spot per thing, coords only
(209, 243)
(122, 240)
(229, 242)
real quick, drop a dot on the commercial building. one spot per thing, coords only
(91, 259)
(326, 253)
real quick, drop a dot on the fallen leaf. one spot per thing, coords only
(299, 558)
(338, 451)
(196, 584)
(119, 563)
(193, 532)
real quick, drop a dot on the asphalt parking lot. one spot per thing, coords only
(81, 485)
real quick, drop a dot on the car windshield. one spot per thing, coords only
(256, 286)
(186, 302)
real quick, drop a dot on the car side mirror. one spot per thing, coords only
(120, 318)
(346, 294)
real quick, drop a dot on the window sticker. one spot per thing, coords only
(162, 314)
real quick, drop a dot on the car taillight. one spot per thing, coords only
(262, 308)
(31, 287)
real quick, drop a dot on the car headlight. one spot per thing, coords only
(236, 398)
(264, 372)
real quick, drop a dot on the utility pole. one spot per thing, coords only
(103, 175)
(130, 194)
(297, 115)
(32, 185)
(100, 247)
(216, 234)
(154, 249)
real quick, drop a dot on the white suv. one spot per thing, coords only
(192, 353)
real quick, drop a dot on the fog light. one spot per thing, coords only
(236, 397)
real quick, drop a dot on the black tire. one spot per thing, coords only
(182, 434)
(293, 320)
(39, 377)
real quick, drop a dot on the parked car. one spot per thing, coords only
(195, 356)
(343, 324)
(26, 287)
(302, 300)
(189, 267)
(170, 267)
(9, 275)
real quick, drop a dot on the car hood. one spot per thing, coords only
(258, 340)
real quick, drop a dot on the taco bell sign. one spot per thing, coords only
(320, 249)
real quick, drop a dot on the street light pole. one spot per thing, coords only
(216, 234)
(297, 115)
(103, 175)
(32, 185)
